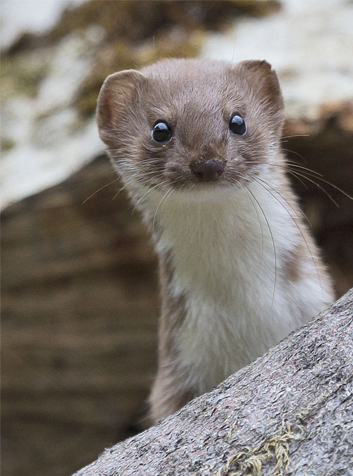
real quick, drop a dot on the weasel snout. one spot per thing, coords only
(207, 170)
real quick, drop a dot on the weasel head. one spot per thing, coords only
(191, 125)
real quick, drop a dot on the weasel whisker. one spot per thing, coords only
(318, 185)
(273, 243)
(264, 184)
(258, 219)
(101, 188)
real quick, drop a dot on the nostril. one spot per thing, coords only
(208, 170)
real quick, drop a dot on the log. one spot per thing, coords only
(289, 412)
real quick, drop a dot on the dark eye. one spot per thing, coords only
(161, 132)
(237, 125)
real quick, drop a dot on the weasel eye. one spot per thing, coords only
(161, 132)
(237, 125)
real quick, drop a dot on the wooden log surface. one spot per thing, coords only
(289, 412)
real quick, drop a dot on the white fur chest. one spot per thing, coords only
(227, 254)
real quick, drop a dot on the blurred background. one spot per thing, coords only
(79, 279)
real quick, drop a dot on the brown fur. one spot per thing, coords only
(197, 99)
(162, 401)
(291, 266)
(131, 102)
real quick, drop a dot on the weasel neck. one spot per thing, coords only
(227, 241)
(226, 297)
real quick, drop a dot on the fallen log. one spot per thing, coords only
(289, 412)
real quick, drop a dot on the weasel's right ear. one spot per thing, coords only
(262, 83)
(116, 100)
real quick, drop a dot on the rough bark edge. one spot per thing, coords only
(275, 416)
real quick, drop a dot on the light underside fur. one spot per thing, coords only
(228, 251)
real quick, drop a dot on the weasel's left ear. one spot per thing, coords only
(261, 86)
(116, 101)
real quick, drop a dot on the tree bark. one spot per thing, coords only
(289, 412)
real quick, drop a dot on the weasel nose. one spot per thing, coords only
(207, 170)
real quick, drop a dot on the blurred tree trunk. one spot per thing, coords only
(289, 412)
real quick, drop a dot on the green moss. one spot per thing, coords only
(138, 33)
(121, 55)
(21, 75)
(177, 29)
(139, 20)
(6, 144)
(257, 8)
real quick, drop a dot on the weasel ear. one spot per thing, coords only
(116, 100)
(262, 81)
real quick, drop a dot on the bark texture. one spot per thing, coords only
(288, 413)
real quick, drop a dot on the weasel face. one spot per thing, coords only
(191, 124)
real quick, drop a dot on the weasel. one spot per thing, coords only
(197, 144)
